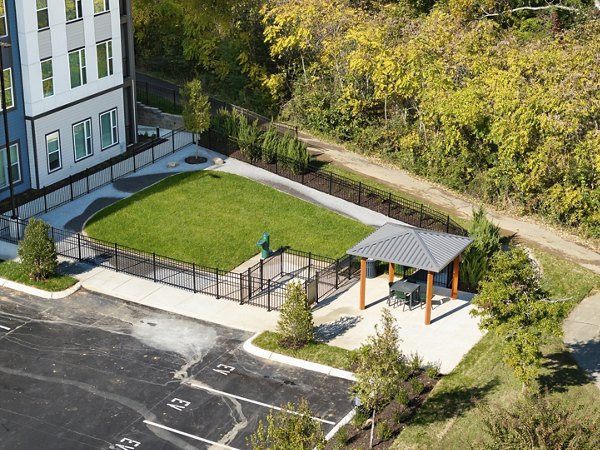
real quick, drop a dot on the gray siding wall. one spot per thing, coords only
(75, 35)
(102, 27)
(45, 44)
(63, 121)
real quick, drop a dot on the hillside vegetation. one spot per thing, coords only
(496, 98)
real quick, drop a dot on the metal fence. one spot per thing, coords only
(38, 201)
(263, 285)
(384, 202)
(170, 101)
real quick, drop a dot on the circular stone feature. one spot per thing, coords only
(195, 160)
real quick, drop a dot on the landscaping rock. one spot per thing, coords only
(172, 164)
(218, 161)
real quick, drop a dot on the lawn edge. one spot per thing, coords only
(254, 350)
(31, 290)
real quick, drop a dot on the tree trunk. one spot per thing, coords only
(372, 429)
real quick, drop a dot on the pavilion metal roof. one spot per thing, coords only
(411, 247)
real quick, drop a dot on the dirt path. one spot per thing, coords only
(536, 234)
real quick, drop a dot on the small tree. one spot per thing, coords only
(380, 367)
(37, 251)
(295, 322)
(512, 304)
(289, 429)
(196, 109)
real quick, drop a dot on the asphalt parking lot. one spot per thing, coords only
(90, 371)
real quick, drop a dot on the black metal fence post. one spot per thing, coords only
(194, 277)
(217, 282)
(134, 165)
(79, 246)
(45, 199)
(316, 287)
(447, 224)
(337, 273)
(241, 288)
(249, 284)
(359, 192)
(154, 266)
(112, 178)
(389, 205)
(173, 141)
(269, 295)
(349, 266)
(309, 263)
(261, 274)
(152, 150)
(330, 181)
(116, 257)
(71, 185)
(421, 216)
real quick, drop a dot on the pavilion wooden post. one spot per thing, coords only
(429, 296)
(363, 282)
(455, 267)
(391, 273)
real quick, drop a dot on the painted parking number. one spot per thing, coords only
(127, 444)
(178, 404)
(223, 369)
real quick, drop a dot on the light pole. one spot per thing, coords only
(13, 206)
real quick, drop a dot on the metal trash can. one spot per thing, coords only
(371, 268)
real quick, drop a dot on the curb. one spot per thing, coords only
(249, 347)
(39, 292)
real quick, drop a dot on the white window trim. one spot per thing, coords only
(59, 151)
(6, 168)
(87, 139)
(82, 67)
(10, 89)
(105, 3)
(47, 14)
(46, 79)
(78, 10)
(114, 128)
(110, 69)
(3, 18)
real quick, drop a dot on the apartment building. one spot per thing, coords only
(15, 109)
(73, 68)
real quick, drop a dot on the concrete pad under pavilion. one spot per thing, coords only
(411, 247)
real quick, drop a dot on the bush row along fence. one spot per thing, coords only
(263, 285)
(39, 201)
(170, 101)
(375, 199)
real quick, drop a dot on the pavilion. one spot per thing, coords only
(413, 247)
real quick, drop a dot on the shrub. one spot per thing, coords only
(226, 122)
(248, 138)
(384, 432)
(415, 362)
(37, 251)
(270, 145)
(402, 397)
(400, 415)
(417, 385)
(295, 322)
(542, 423)
(433, 370)
(290, 428)
(361, 417)
(341, 437)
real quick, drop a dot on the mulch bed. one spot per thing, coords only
(395, 416)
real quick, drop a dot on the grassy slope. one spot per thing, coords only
(215, 219)
(451, 418)
(13, 271)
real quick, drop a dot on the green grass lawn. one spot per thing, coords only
(315, 351)
(451, 417)
(215, 219)
(13, 271)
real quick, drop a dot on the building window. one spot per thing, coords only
(8, 88)
(53, 151)
(3, 29)
(77, 67)
(47, 78)
(15, 165)
(109, 133)
(105, 59)
(42, 14)
(101, 6)
(82, 139)
(73, 10)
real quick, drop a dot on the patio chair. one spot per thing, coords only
(397, 297)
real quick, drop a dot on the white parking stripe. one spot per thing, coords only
(244, 399)
(191, 436)
(4, 328)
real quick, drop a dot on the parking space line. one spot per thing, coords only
(191, 436)
(244, 399)
(4, 328)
